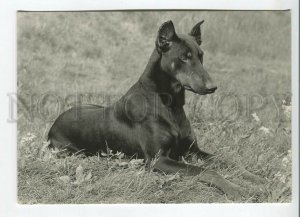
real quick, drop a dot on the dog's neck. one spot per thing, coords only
(159, 81)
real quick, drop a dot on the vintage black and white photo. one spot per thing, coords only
(154, 107)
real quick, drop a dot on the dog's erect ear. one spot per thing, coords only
(196, 32)
(166, 35)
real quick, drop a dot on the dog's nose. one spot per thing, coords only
(211, 87)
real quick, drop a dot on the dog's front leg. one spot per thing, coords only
(167, 165)
(214, 159)
(209, 158)
(244, 173)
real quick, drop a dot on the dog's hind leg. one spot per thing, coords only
(65, 147)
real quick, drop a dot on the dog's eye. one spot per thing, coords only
(183, 58)
(186, 57)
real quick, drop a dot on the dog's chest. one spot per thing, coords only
(177, 122)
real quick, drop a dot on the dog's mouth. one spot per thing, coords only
(189, 88)
(205, 92)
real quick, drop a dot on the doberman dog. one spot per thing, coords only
(149, 120)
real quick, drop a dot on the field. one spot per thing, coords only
(90, 57)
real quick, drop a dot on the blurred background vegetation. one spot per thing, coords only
(117, 45)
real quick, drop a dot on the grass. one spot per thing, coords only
(96, 57)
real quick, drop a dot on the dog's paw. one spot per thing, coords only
(238, 193)
(257, 193)
(260, 180)
(235, 193)
(252, 177)
(256, 179)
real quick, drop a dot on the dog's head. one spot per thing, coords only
(182, 58)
